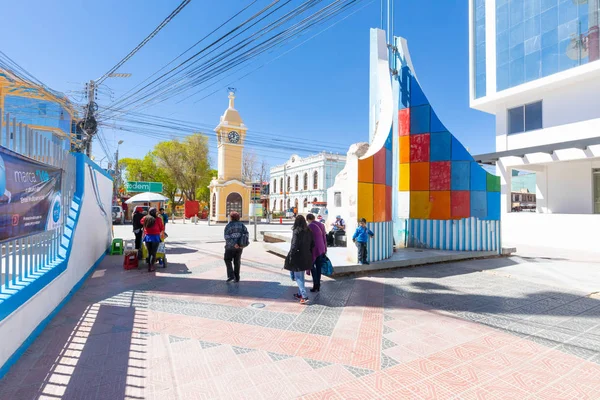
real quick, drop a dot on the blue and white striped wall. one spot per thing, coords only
(469, 234)
(381, 246)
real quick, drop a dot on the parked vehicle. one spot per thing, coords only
(118, 217)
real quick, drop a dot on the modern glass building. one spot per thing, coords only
(535, 65)
(49, 114)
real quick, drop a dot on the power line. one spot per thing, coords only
(146, 40)
(223, 62)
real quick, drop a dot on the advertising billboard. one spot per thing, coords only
(30, 198)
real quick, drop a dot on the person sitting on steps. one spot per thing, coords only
(339, 229)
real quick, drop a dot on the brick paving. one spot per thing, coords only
(434, 332)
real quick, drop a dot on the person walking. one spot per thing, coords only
(361, 237)
(164, 216)
(138, 229)
(153, 229)
(299, 259)
(319, 251)
(234, 231)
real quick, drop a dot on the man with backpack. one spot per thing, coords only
(236, 238)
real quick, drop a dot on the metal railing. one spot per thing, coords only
(24, 259)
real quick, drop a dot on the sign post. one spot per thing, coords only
(140, 187)
(255, 196)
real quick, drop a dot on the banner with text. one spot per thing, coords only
(30, 198)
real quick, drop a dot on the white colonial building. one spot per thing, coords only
(302, 181)
(535, 65)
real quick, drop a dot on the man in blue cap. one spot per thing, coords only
(339, 229)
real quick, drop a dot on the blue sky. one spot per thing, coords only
(317, 92)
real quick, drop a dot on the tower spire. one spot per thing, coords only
(231, 99)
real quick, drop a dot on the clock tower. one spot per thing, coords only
(228, 190)
(231, 134)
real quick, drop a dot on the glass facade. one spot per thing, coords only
(479, 42)
(537, 38)
(38, 112)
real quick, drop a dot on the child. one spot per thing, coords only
(360, 237)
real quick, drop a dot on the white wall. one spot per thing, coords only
(90, 241)
(563, 187)
(553, 231)
(570, 188)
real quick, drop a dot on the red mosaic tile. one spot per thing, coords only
(405, 375)
(308, 382)
(529, 380)
(471, 374)
(355, 391)
(328, 394)
(477, 394)
(380, 383)
(504, 390)
(430, 390)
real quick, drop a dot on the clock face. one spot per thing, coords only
(233, 137)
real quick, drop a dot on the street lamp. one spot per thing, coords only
(117, 180)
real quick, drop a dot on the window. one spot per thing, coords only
(296, 179)
(281, 186)
(535, 39)
(305, 185)
(281, 205)
(596, 173)
(525, 118)
(305, 203)
(316, 180)
(337, 199)
(315, 200)
(289, 184)
(289, 204)
(274, 185)
(479, 47)
(214, 205)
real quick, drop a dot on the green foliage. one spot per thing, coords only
(182, 166)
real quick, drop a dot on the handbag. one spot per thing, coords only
(326, 267)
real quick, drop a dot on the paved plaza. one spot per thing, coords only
(485, 329)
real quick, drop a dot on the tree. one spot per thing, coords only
(203, 192)
(254, 170)
(186, 162)
(148, 170)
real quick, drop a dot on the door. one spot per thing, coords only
(234, 203)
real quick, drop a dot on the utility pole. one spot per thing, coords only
(88, 125)
(117, 178)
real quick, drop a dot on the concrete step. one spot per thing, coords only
(402, 258)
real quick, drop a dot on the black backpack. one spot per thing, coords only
(244, 239)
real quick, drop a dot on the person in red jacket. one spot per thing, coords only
(153, 229)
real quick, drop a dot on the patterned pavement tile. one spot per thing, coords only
(433, 332)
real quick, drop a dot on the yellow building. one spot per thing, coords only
(228, 191)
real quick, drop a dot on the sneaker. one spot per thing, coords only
(360, 263)
(304, 300)
(229, 280)
(297, 296)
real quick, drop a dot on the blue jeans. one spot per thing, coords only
(299, 278)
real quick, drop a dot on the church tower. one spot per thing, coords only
(228, 190)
